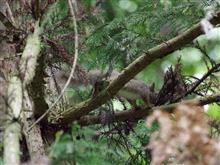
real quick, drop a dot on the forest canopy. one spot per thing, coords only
(109, 82)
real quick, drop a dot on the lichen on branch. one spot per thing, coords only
(30, 55)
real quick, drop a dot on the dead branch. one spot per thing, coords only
(134, 114)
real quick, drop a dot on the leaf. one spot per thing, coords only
(214, 111)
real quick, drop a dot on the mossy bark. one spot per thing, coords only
(12, 136)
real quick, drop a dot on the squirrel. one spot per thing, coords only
(132, 91)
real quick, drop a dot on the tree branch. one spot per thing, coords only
(134, 115)
(12, 136)
(28, 69)
(134, 68)
(6, 22)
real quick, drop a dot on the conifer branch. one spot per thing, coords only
(160, 51)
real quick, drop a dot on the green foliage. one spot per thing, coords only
(78, 146)
(63, 148)
(124, 38)
(116, 36)
(84, 146)
(77, 95)
(214, 111)
(191, 58)
(55, 13)
(139, 141)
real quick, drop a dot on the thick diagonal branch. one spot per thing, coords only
(133, 69)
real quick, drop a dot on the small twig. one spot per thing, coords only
(10, 13)
(72, 70)
(199, 81)
(203, 51)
